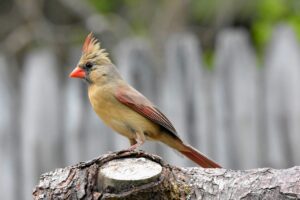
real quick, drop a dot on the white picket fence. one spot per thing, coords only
(244, 114)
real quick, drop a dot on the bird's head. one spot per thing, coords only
(94, 65)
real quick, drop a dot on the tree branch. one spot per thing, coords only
(114, 176)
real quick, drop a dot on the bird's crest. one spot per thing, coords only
(91, 49)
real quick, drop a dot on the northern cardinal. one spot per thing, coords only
(123, 108)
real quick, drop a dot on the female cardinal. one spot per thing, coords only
(123, 108)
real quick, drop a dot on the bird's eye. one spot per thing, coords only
(88, 65)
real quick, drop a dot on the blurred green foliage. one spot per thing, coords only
(137, 13)
(272, 12)
(107, 6)
(259, 17)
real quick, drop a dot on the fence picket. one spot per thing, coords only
(282, 79)
(40, 133)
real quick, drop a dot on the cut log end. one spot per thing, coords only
(122, 174)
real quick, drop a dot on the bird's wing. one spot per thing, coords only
(136, 101)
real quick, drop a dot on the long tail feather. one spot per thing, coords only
(198, 157)
(188, 151)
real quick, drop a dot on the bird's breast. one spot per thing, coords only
(118, 116)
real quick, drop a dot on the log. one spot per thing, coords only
(139, 175)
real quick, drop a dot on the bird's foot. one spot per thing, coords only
(131, 148)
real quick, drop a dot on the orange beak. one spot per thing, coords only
(77, 73)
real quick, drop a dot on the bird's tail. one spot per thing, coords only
(198, 157)
(175, 142)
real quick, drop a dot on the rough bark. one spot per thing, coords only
(81, 182)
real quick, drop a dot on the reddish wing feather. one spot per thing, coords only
(141, 105)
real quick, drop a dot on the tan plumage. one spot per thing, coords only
(123, 108)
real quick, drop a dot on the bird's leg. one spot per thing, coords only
(132, 141)
(135, 142)
(138, 141)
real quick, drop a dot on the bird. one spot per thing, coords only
(123, 108)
